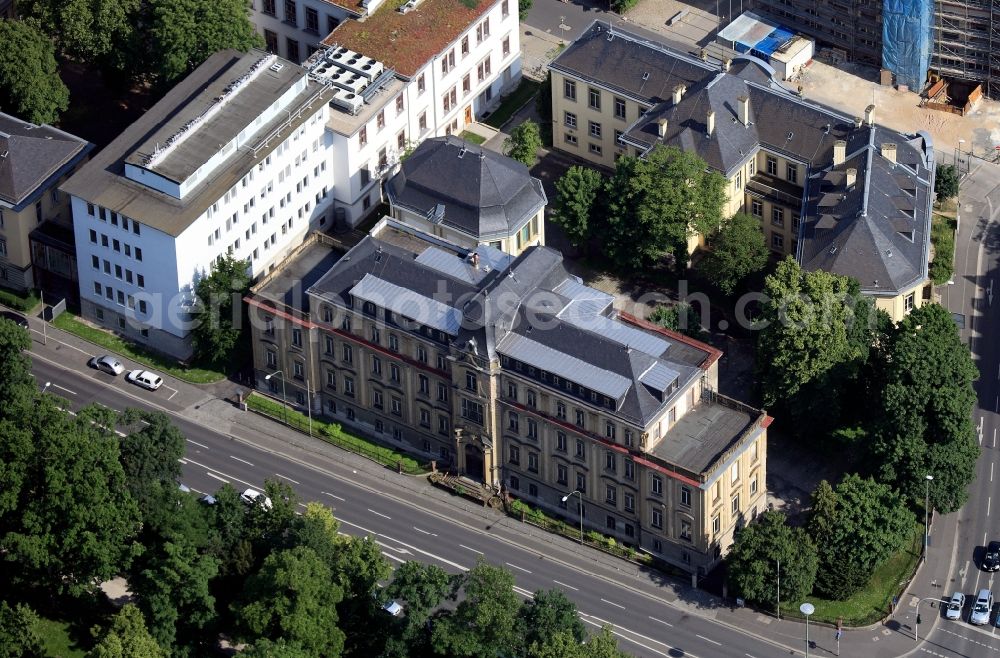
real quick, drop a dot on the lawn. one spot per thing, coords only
(524, 93)
(872, 603)
(56, 639)
(71, 323)
(472, 137)
(20, 301)
(943, 238)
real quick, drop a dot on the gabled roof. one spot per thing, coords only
(407, 42)
(484, 194)
(877, 232)
(31, 155)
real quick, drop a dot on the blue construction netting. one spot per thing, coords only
(906, 40)
(769, 44)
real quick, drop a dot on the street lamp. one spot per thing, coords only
(927, 500)
(807, 609)
(46, 387)
(916, 626)
(566, 497)
(777, 608)
(284, 403)
(309, 408)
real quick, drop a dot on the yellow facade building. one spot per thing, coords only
(839, 193)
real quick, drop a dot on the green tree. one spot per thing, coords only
(182, 34)
(18, 638)
(679, 317)
(83, 29)
(856, 526)
(523, 143)
(17, 385)
(523, 7)
(808, 317)
(547, 613)
(752, 561)
(658, 202)
(946, 181)
(925, 410)
(422, 588)
(223, 317)
(294, 598)
(738, 249)
(602, 645)
(484, 623)
(578, 194)
(150, 456)
(543, 104)
(276, 649)
(30, 87)
(127, 638)
(67, 530)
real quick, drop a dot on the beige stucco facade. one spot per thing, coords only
(529, 234)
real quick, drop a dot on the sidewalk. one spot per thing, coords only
(210, 406)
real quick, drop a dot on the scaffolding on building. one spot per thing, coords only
(967, 42)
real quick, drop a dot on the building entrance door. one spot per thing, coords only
(468, 115)
(474, 462)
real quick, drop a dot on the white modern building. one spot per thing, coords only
(434, 66)
(233, 160)
(294, 29)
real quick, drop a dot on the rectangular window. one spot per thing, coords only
(594, 98)
(396, 406)
(778, 217)
(505, 47)
(561, 441)
(734, 473)
(581, 418)
(513, 423)
(772, 165)
(685, 531)
(532, 429)
(560, 411)
(421, 84)
(595, 129)
(422, 122)
(686, 496)
(611, 495)
(581, 483)
(777, 241)
(756, 208)
(569, 89)
(569, 119)
(570, 139)
(442, 392)
(629, 469)
(562, 475)
(610, 461)
(293, 49)
(470, 382)
(656, 485)
(472, 411)
(348, 387)
(619, 108)
(596, 149)
(465, 45)
(290, 13)
(753, 486)
(656, 518)
(363, 137)
(610, 430)
(716, 524)
(505, 8)
(792, 172)
(629, 502)
(580, 449)
(736, 505)
(533, 462)
(514, 456)
(312, 20)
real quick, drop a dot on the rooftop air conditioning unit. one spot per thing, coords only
(369, 67)
(350, 102)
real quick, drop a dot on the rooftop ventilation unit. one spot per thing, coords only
(349, 81)
(409, 6)
(341, 55)
(277, 66)
(348, 101)
(368, 67)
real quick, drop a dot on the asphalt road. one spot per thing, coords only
(977, 261)
(645, 623)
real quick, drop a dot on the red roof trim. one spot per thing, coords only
(713, 354)
(767, 421)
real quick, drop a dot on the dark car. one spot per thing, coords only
(991, 561)
(16, 318)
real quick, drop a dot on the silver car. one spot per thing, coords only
(955, 605)
(108, 364)
(980, 614)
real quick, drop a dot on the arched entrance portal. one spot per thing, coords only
(474, 461)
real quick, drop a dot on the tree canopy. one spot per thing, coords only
(485, 622)
(925, 410)
(127, 638)
(578, 194)
(738, 249)
(18, 638)
(762, 548)
(523, 143)
(946, 181)
(222, 319)
(660, 201)
(84, 29)
(856, 526)
(30, 87)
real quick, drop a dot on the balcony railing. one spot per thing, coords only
(756, 187)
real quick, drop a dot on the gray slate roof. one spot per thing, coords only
(485, 194)
(878, 233)
(515, 311)
(31, 156)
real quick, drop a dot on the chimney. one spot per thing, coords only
(710, 123)
(726, 63)
(744, 110)
(661, 126)
(475, 260)
(870, 115)
(889, 152)
(852, 177)
(858, 121)
(839, 152)
(704, 55)
(679, 93)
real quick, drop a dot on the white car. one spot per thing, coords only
(254, 497)
(145, 379)
(955, 605)
(393, 608)
(108, 364)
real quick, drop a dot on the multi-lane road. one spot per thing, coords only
(646, 617)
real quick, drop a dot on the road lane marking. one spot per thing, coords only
(638, 644)
(327, 493)
(285, 477)
(216, 477)
(460, 567)
(384, 516)
(988, 498)
(523, 592)
(565, 585)
(200, 445)
(231, 477)
(617, 605)
(991, 471)
(660, 621)
(421, 530)
(240, 460)
(175, 392)
(393, 557)
(471, 549)
(63, 388)
(514, 566)
(675, 651)
(719, 644)
(402, 551)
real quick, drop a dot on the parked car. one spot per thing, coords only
(16, 318)
(207, 499)
(955, 605)
(108, 364)
(254, 497)
(981, 608)
(145, 379)
(393, 608)
(991, 561)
